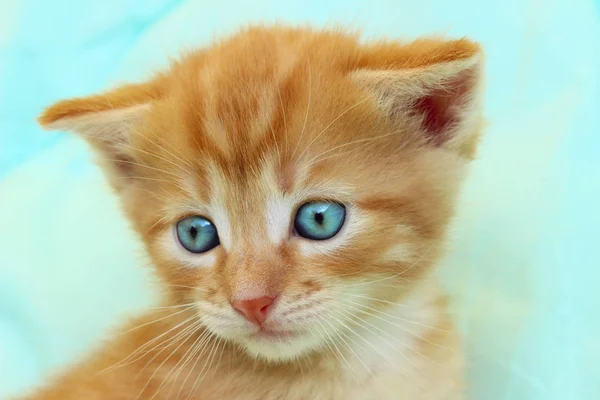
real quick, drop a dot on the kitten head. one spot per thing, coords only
(286, 181)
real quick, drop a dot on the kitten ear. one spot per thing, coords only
(105, 121)
(438, 101)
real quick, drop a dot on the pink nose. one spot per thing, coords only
(254, 310)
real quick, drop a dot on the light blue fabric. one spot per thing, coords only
(525, 264)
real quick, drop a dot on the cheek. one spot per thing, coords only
(402, 245)
(390, 251)
(179, 266)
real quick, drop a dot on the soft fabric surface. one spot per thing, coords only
(524, 263)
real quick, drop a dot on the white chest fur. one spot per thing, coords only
(406, 352)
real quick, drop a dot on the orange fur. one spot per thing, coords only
(245, 132)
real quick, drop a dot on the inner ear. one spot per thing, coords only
(438, 104)
(442, 108)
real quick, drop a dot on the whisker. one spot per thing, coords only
(190, 287)
(366, 140)
(410, 332)
(356, 320)
(188, 334)
(144, 346)
(392, 276)
(339, 351)
(339, 335)
(162, 145)
(332, 122)
(185, 162)
(329, 278)
(284, 118)
(168, 343)
(298, 360)
(143, 178)
(157, 320)
(208, 363)
(161, 220)
(391, 303)
(366, 341)
(127, 145)
(393, 316)
(325, 341)
(171, 307)
(337, 276)
(308, 103)
(198, 355)
(411, 348)
(139, 165)
(151, 193)
(185, 360)
(254, 365)
(281, 104)
(222, 351)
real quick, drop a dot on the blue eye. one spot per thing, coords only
(319, 220)
(197, 234)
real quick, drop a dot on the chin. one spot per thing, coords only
(279, 347)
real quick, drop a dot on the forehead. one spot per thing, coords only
(265, 90)
(269, 115)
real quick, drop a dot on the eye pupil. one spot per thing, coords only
(319, 218)
(193, 232)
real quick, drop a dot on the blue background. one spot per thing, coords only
(524, 269)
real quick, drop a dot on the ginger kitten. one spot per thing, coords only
(293, 188)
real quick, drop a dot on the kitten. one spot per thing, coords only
(293, 188)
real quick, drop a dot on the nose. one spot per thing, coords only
(254, 310)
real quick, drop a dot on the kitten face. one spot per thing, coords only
(316, 285)
(234, 142)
